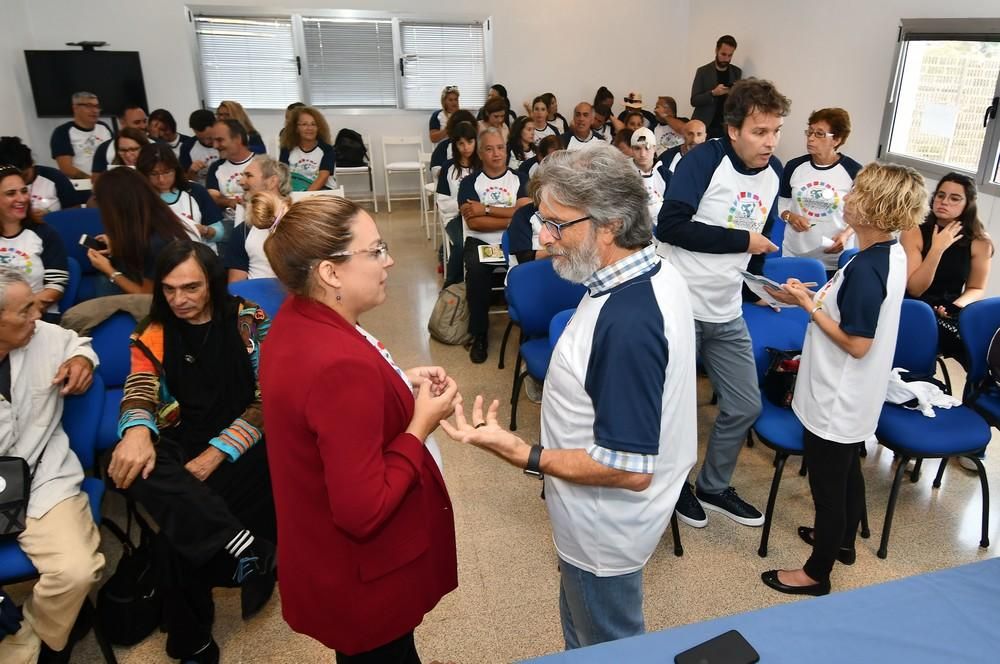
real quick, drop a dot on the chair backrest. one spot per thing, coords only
(917, 339)
(81, 418)
(977, 324)
(301, 195)
(268, 293)
(538, 294)
(396, 141)
(803, 269)
(784, 330)
(72, 286)
(70, 225)
(558, 324)
(845, 257)
(505, 245)
(778, 238)
(110, 341)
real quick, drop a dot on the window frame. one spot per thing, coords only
(299, 47)
(972, 29)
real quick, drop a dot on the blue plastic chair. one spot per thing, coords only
(80, 420)
(845, 257)
(977, 324)
(958, 431)
(268, 293)
(70, 225)
(804, 269)
(72, 286)
(777, 236)
(110, 341)
(538, 294)
(558, 325)
(511, 311)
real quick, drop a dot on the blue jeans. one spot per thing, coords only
(595, 609)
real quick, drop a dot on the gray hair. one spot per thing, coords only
(602, 182)
(484, 133)
(270, 167)
(8, 277)
(82, 96)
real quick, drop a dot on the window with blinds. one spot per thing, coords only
(250, 60)
(350, 62)
(436, 55)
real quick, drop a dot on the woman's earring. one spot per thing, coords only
(338, 297)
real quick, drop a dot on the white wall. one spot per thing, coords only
(566, 47)
(13, 41)
(833, 55)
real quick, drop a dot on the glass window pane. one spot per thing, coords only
(350, 62)
(437, 55)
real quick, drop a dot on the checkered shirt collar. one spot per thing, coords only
(622, 270)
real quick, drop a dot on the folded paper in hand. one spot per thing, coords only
(756, 283)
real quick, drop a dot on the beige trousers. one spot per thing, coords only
(63, 546)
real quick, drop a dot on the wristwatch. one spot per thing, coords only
(533, 468)
(487, 210)
(784, 215)
(113, 276)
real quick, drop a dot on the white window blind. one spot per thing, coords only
(350, 62)
(436, 55)
(249, 60)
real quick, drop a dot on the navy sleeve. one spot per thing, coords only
(519, 232)
(665, 170)
(100, 163)
(674, 224)
(852, 167)
(329, 160)
(210, 212)
(440, 154)
(435, 121)
(626, 371)
(525, 168)
(522, 187)
(53, 257)
(212, 180)
(283, 156)
(564, 139)
(862, 292)
(443, 187)
(467, 189)
(256, 144)
(185, 156)
(236, 257)
(785, 184)
(60, 143)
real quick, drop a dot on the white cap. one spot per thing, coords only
(634, 100)
(643, 136)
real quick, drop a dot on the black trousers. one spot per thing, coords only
(400, 651)
(478, 287)
(838, 490)
(197, 520)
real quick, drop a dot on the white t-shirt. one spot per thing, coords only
(44, 195)
(309, 164)
(204, 153)
(70, 139)
(502, 191)
(549, 130)
(838, 397)
(666, 138)
(573, 143)
(656, 187)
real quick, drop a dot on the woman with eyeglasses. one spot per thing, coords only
(233, 110)
(364, 519)
(948, 257)
(812, 189)
(127, 145)
(439, 119)
(305, 147)
(189, 201)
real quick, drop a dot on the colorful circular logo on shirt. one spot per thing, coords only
(818, 199)
(498, 196)
(15, 258)
(747, 212)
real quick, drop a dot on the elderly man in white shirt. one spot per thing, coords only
(40, 364)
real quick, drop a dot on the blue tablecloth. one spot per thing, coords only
(951, 615)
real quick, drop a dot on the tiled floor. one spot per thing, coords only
(505, 608)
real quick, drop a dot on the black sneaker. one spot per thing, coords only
(731, 505)
(255, 575)
(478, 352)
(689, 510)
(207, 655)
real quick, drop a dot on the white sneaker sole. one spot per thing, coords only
(743, 521)
(692, 522)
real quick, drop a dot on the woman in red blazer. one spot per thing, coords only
(366, 531)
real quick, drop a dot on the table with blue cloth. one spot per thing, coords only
(951, 615)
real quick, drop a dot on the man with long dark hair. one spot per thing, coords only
(192, 450)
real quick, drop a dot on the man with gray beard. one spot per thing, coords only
(619, 431)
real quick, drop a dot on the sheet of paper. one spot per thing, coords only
(491, 253)
(756, 283)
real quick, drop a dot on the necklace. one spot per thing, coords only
(191, 358)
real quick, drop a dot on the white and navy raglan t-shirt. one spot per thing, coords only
(69, 139)
(864, 298)
(244, 250)
(224, 176)
(439, 120)
(195, 207)
(37, 250)
(442, 153)
(194, 150)
(667, 162)
(549, 130)
(51, 190)
(817, 193)
(607, 132)
(666, 138)
(560, 123)
(713, 204)
(449, 179)
(621, 386)
(528, 166)
(570, 142)
(177, 143)
(514, 163)
(656, 187)
(502, 191)
(103, 157)
(522, 234)
(305, 166)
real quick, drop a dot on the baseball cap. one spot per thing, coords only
(634, 100)
(643, 136)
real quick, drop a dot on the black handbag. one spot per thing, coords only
(779, 379)
(15, 489)
(129, 604)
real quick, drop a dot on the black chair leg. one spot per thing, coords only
(883, 549)
(915, 473)
(947, 376)
(715, 398)
(678, 549)
(780, 458)
(503, 343)
(102, 640)
(940, 473)
(865, 530)
(803, 469)
(750, 438)
(518, 381)
(984, 541)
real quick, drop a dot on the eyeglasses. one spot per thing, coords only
(305, 125)
(555, 227)
(160, 174)
(951, 198)
(380, 252)
(90, 105)
(816, 133)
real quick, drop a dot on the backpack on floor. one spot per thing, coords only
(449, 321)
(350, 149)
(129, 604)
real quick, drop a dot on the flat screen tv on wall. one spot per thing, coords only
(114, 76)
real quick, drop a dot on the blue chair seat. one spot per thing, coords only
(953, 431)
(15, 564)
(536, 354)
(779, 428)
(107, 430)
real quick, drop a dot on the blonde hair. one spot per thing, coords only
(302, 234)
(889, 197)
(238, 113)
(290, 136)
